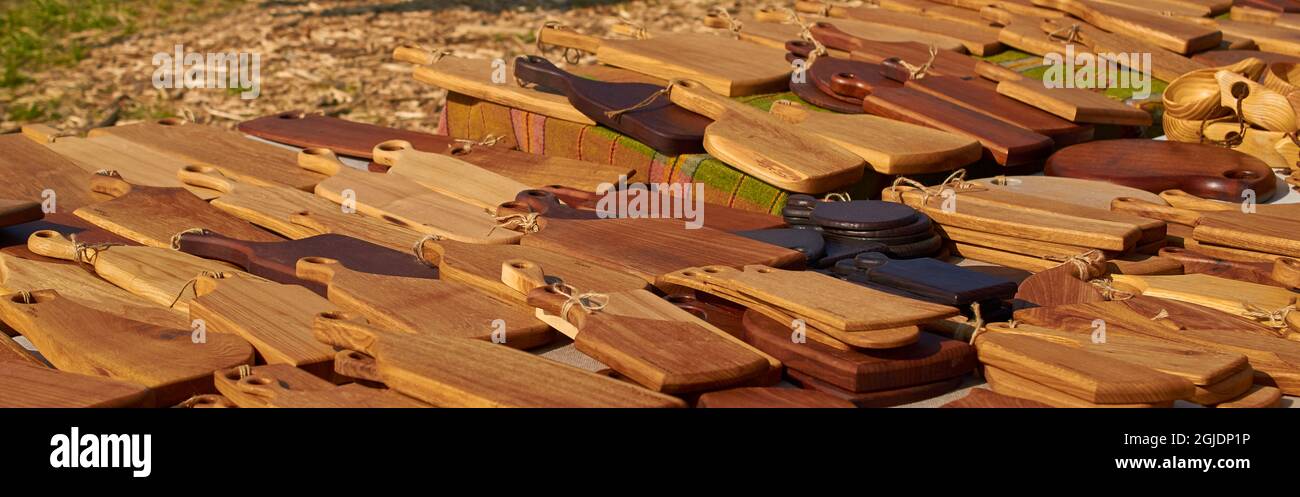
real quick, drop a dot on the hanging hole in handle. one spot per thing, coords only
(689, 274)
(680, 299)
(391, 146)
(320, 151)
(334, 315)
(256, 380)
(290, 115)
(763, 270)
(29, 298)
(315, 259)
(821, 24)
(846, 75)
(46, 234)
(356, 356)
(521, 265)
(1240, 90)
(1240, 174)
(233, 374)
(711, 270)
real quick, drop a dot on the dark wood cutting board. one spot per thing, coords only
(825, 67)
(984, 398)
(933, 279)
(771, 397)
(19, 211)
(152, 215)
(30, 172)
(660, 124)
(719, 217)
(277, 261)
(1200, 169)
(1281, 272)
(946, 62)
(809, 92)
(357, 139)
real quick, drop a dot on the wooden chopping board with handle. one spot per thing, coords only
(1172, 34)
(284, 386)
(979, 40)
(269, 206)
(447, 175)
(1283, 272)
(664, 355)
(153, 215)
(480, 266)
(1080, 192)
(478, 78)
(1184, 200)
(357, 139)
(395, 198)
(770, 398)
(453, 372)
(774, 29)
(401, 303)
(75, 284)
(24, 385)
(766, 147)
(1230, 296)
(1164, 65)
(135, 163)
(19, 211)
(156, 274)
(1152, 165)
(30, 172)
(1072, 104)
(275, 318)
(82, 340)
(946, 63)
(277, 261)
(1269, 234)
(720, 217)
(726, 66)
(230, 152)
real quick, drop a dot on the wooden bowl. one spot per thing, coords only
(1262, 107)
(1282, 77)
(1195, 96)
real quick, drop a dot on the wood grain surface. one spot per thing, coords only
(135, 163)
(1072, 104)
(24, 385)
(284, 386)
(1172, 34)
(772, 397)
(75, 284)
(153, 216)
(275, 318)
(1155, 166)
(30, 172)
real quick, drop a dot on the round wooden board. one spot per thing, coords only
(863, 215)
(1199, 169)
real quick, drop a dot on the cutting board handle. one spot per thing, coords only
(540, 71)
(695, 96)
(317, 269)
(789, 111)
(892, 68)
(562, 37)
(522, 275)
(1153, 211)
(1286, 270)
(320, 160)
(205, 177)
(413, 55)
(1184, 200)
(210, 245)
(354, 364)
(113, 186)
(390, 152)
(50, 243)
(346, 330)
(800, 48)
(833, 38)
(995, 72)
(850, 85)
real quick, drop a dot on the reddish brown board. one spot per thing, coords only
(152, 215)
(719, 217)
(773, 397)
(1220, 58)
(30, 172)
(946, 62)
(825, 67)
(1199, 169)
(880, 398)
(984, 398)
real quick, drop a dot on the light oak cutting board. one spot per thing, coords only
(1223, 294)
(453, 372)
(1172, 34)
(478, 78)
(283, 386)
(83, 287)
(1074, 104)
(82, 340)
(480, 266)
(979, 40)
(268, 206)
(1234, 229)
(29, 172)
(1080, 192)
(135, 163)
(23, 385)
(447, 175)
(1018, 386)
(152, 215)
(275, 318)
(1165, 66)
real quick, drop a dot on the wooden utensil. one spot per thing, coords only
(480, 266)
(78, 285)
(276, 319)
(79, 339)
(1184, 200)
(978, 40)
(889, 146)
(1155, 166)
(1268, 234)
(158, 275)
(1164, 65)
(725, 66)
(453, 372)
(279, 385)
(447, 175)
(479, 78)
(787, 158)
(781, 398)
(1079, 192)
(1172, 34)
(29, 172)
(397, 199)
(652, 120)
(23, 385)
(153, 216)
(694, 359)
(400, 303)
(1284, 272)
(135, 163)
(234, 155)
(277, 261)
(1073, 104)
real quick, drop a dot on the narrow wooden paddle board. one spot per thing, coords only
(30, 172)
(134, 163)
(153, 216)
(279, 385)
(276, 319)
(1172, 34)
(1200, 169)
(78, 285)
(23, 385)
(447, 175)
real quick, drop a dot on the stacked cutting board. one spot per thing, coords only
(918, 250)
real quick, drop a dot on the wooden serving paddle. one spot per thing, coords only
(1164, 65)
(398, 199)
(447, 175)
(76, 284)
(1269, 234)
(269, 206)
(79, 339)
(133, 162)
(766, 147)
(1230, 296)
(230, 152)
(943, 62)
(403, 304)
(720, 217)
(154, 216)
(983, 398)
(1015, 385)
(30, 172)
(276, 319)
(639, 110)
(454, 372)
(24, 385)
(1151, 165)
(670, 356)
(277, 261)
(1283, 272)
(18, 212)
(1170, 33)
(1184, 200)
(770, 397)
(479, 78)
(279, 385)
(726, 66)
(1079, 192)
(158, 275)
(979, 40)
(1072, 104)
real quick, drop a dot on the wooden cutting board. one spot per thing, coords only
(979, 40)
(979, 96)
(719, 217)
(982, 398)
(823, 69)
(766, 147)
(726, 66)
(1152, 230)
(277, 261)
(23, 385)
(400, 303)
(1172, 34)
(450, 372)
(1184, 200)
(670, 356)
(1269, 5)
(397, 199)
(1177, 7)
(1220, 58)
(284, 386)
(230, 152)
(269, 206)
(1079, 192)
(659, 124)
(933, 279)
(358, 139)
(1072, 104)
(447, 175)
(153, 216)
(1270, 38)
(1060, 285)
(770, 397)
(19, 211)
(79, 339)
(1021, 7)
(1015, 385)
(1006, 144)
(930, 359)
(480, 266)
(1089, 376)
(1269, 234)
(776, 32)
(1152, 165)
(1021, 32)
(135, 163)
(478, 78)
(276, 319)
(1021, 223)
(1284, 272)
(879, 398)
(889, 146)
(83, 287)
(1230, 296)
(946, 63)
(11, 351)
(158, 275)
(1165, 65)
(1276, 360)
(29, 172)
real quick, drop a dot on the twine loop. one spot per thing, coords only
(176, 239)
(588, 301)
(838, 197)
(570, 55)
(955, 182)
(522, 222)
(462, 146)
(1071, 33)
(615, 114)
(1231, 140)
(112, 173)
(1163, 314)
(244, 371)
(733, 25)
(919, 72)
(85, 254)
(979, 321)
(1275, 319)
(1083, 262)
(1108, 290)
(191, 284)
(418, 249)
(26, 296)
(805, 33)
(638, 30)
